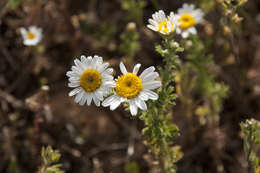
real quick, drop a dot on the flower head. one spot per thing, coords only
(32, 36)
(91, 79)
(131, 26)
(134, 89)
(189, 17)
(162, 24)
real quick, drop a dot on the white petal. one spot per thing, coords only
(74, 84)
(122, 99)
(88, 61)
(99, 95)
(140, 103)
(108, 100)
(147, 71)
(79, 64)
(156, 17)
(152, 27)
(198, 15)
(89, 98)
(133, 107)
(185, 5)
(83, 58)
(193, 30)
(115, 103)
(96, 100)
(83, 99)
(103, 67)
(74, 91)
(150, 76)
(150, 94)
(74, 80)
(79, 96)
(33, 29)
(169, 27)
(76, 70)
(143, 96)
(151, 85)
(105, 91)
(97, 61)
(192, 6)
(178, 31)
(30, 42)
(23, 32)
(108, 71)
(71, 74)
(110, 84)
(185, 34)
(122, 68)
(94, 61)
(106, 77)
(152, 22)
(162, 15)
(136, 68)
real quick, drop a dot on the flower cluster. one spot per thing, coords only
(93, 80)
(182, 23)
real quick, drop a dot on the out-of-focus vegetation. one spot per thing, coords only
(251, 136)
(210, 85)
(50, 158)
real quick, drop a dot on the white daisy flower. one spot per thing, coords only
(134, 89)
(31, 37)
(189, 17)
(161, 23)
(91, 79)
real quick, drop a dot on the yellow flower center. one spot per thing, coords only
(30, 35)
(90, 80)
(257, 170)
(187, 21)
(164, 26)
(128, 86)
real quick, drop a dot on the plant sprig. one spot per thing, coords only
(159, 130)
(251, 137)
(50, 158)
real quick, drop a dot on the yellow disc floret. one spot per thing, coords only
(90, 80)
(187, 21)
(164, 26)
(30, 35)
(128, 86)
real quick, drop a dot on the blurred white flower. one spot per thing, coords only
(131, 26)
(134, 89)
(91, 79)
(189, 17)
(162, 23)
(32, 36)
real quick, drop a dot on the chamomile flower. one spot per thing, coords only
(162, 23)
(189, 17)
(134, 89)
(91, 79)
(32, 36)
